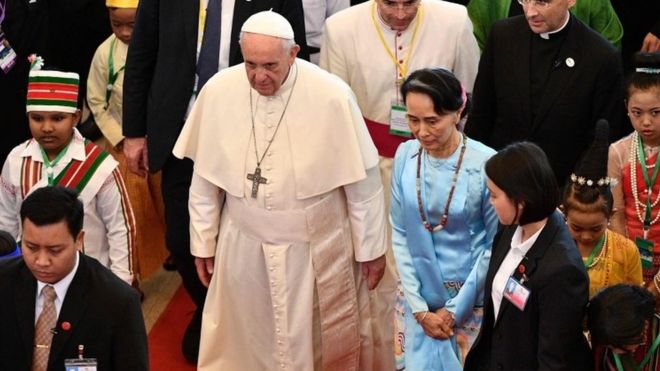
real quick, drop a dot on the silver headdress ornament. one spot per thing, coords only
(591, 183)
(647, 70)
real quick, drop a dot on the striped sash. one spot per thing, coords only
(75, 175)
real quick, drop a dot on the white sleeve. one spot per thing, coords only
(466, 63)
(9, 203)
(333, 6)
(115, 210)
(205, 205)
(332, 59)
(366, 211)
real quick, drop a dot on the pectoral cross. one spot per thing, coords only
(256, 179)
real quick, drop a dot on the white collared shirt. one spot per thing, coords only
(546, 35)
(61, 287)
(516, 253)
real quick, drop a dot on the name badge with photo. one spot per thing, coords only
(399, 121)
(7, 54)
(80, 364)
(645, 248)
(516, 293)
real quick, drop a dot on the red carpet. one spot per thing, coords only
(165, 336)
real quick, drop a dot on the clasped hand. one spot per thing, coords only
(438, 325)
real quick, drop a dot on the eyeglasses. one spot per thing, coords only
(405, 6)
(536, 3)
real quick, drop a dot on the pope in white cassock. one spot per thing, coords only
(287, 214)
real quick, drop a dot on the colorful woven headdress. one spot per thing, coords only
(51, 91)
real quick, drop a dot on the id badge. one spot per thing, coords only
(7, 54)
(645, 248)
(399, 121)
(516, 293)
(80, 364)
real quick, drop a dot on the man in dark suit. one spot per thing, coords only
(92, 313)
(547, 78)
(159, 86)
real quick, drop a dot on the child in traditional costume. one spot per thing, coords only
(58, 155)
(104, 97)
(634, 163)
(609, 257)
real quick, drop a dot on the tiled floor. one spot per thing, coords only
(158, 290)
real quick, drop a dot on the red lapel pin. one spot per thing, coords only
(66, 326)
(521, 269)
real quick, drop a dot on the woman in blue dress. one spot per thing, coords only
(442, 223)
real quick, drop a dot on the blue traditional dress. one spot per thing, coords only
(446, 268)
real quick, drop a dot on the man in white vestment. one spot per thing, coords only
(375, 45)
(287, 214)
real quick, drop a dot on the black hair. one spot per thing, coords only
(7, 243)
(522, 171)
(585, 198)
(591, 168)
(441, 86)
(51, 205)
(616, 315)
(643, 78)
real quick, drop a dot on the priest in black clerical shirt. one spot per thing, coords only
(546, 77)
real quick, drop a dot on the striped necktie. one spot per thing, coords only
(43, 331)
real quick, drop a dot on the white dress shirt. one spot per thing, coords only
(61, 287)
(515, 255)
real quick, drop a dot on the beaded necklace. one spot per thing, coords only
(637, 156)
(445, 213)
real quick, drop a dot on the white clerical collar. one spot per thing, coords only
(288, 81)
(61, 286)
(546, 35)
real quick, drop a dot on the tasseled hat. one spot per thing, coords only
(268, 23)
(130, 4)
(51, 91)
(592, 168)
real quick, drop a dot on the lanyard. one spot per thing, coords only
(646, 359)
(402, 67)
(112, 75)
(3, 5)
(51, 164)
(595, 251)
(649, 182)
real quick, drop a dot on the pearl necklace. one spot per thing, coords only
(634, 159)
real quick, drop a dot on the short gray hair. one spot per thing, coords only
(287, 44)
